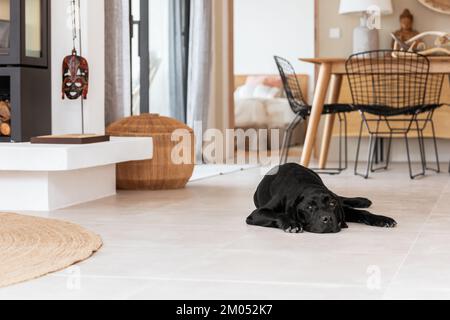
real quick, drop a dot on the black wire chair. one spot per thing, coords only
(389, 88)
(302, 111)
(425, 119)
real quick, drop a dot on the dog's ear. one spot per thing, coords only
(293, 203)
(344, 224)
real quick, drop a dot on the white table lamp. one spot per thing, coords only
(366, 37)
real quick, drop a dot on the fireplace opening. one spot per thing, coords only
(5, 108)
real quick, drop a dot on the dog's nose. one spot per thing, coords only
(326, 219)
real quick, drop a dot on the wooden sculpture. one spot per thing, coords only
(75, 77)
(417, 44)
(406, 31)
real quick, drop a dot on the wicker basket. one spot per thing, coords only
(160, 173)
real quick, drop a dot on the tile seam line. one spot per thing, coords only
(413, 245)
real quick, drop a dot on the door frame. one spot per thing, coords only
(143, 52)
(231, 51)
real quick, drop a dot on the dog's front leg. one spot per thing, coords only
(365, 217)
(270, 219)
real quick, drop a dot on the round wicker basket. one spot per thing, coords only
(160, 173)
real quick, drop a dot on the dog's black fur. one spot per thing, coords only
(295, 199)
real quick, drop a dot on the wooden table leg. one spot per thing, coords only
(316, 113)
(336, 84)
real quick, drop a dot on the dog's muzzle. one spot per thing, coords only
(326, 224)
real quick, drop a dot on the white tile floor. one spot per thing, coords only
(194, 244)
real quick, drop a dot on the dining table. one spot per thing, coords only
(328, 87)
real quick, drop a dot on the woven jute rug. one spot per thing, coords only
(32, 247)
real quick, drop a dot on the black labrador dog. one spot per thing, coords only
(295, 199)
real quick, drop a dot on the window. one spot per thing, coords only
(5, 21)
(150, 56)
(33, 37)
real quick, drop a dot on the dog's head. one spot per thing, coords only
(319, 211)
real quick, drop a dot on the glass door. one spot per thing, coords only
(140, 58)
(5, 27)
(35, 29)
(149, 23)
(24, 29)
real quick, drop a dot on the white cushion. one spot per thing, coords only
(250, 113)
(244, 92)
(263, 113)
(279, 113)
(260, 91)
(265, 92)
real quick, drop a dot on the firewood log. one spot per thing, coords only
(5, 111)
(5, 129)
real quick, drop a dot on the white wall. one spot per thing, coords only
(425, 20)
(264, 28)
(67, 114)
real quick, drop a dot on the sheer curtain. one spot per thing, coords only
(211, 68)
(200, 62)
(117, 59)
(179, 27)
(199, 74)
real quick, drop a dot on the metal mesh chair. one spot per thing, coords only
(389, 88)
(425, 119)
(302, 110)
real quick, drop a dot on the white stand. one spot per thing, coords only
(51, 177)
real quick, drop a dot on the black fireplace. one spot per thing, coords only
(25, 74)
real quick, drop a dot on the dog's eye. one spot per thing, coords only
(310, 208)
(333, 204)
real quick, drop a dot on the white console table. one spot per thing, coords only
(51, 177)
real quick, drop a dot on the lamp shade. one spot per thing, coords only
(358, 6)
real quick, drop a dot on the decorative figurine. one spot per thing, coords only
(406, 31)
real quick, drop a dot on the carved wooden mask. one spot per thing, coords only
(75, 77)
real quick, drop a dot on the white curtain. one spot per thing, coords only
(117, 60)
(210, 77)
(199, 73)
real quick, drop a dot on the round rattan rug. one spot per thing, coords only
(32, 247)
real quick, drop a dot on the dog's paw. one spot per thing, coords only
(385, 222)
(296, 228)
